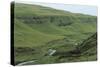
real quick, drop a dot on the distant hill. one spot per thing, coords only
(38, 29)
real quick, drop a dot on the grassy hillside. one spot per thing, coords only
(38, 29)
(86, 51)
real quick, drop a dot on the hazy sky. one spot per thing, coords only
(91, 10)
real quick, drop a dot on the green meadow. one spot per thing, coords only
(39, 29)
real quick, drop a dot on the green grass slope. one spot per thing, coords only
(25, 35)
(38, 29)
(86, 51)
